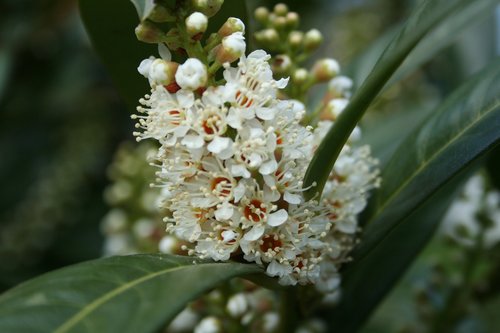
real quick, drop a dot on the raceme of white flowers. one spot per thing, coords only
(231, 162)
(475, 213)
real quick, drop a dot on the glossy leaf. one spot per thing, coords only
(139, 293)
(429, 15)
(110, 25)
(463, 128)
(445, 34)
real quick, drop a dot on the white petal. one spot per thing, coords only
(218, 144)
(193, 141)
(281, 83)
(164, 52)
(265, 113)
(185, 98)
(255, 233)
(277, 218)
(268, 167)
(224, 212)
(239, 170)
(293, 199)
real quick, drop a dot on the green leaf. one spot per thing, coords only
(445, 34)
(364, 284)
(110, 25)
(139, 293)
(463, 128)
(424, 19)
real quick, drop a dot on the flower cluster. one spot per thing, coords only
(233, 153)
(475, 213)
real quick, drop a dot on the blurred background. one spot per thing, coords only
(62, 122)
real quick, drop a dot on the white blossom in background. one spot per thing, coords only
(475, 210)
(232, 160)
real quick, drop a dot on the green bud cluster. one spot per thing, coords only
(291, 48)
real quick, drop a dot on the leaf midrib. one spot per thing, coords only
(426, 162)
(109, 295)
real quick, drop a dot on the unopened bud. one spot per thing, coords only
(191, 75)
(173, 39)
(208, 325)
(334, 108)
(149, 33)
(237, 305)
(292, 20)
(231, 26)
(169, 244)
(162, 72)
(231, 48)
(280, 22)
(261, 14)
(207, 7)
(325, 69)
(281, 9)
(161, 14)
(295, 39)
(312, 39)
(281, 64)
(196, 23)
(300, 76)
(340, 86)
(267, 37)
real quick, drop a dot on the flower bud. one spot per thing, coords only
(161, 72)
(231, 48)
(261, 14)
(149, 33)
(295, 39)
(281, 64)
(207, 7)
(334, 108)
(300, 76)
(191, 75)
(231, 26)
(292, 20)
(280, 22)
(208, 325)
(325, 69)
(340, 86)
(173, 39)
(312, 39)
(196, 23)
(169, 244)
(281, 9)
(268, 37)
(237, 305)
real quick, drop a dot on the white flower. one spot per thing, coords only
(191, 75)
(184, 321)
(208, 325)
(237, 305)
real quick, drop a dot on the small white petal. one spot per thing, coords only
(277, 218)
(164, 52)
(268, 167)
(225, 212)
(218, 144)
(293, 199)
(193, 141)
(255, 233)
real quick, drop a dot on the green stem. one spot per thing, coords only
(289, 311)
